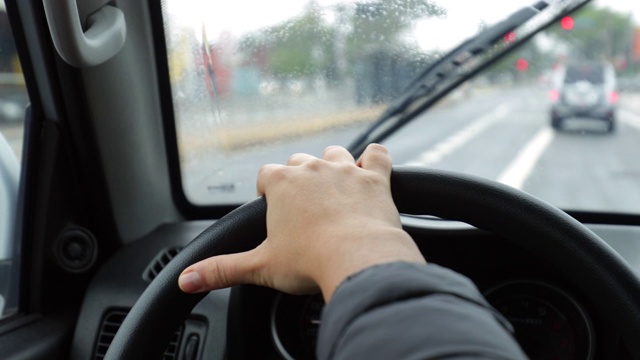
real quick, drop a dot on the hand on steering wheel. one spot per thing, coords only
(327, 219)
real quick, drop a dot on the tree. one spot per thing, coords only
(308, 45)
(298, 47)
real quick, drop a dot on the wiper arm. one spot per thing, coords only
(417, 96)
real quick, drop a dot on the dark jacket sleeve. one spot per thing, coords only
(413, 311)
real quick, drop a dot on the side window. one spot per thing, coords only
(13, 100)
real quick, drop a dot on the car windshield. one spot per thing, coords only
(253, 82)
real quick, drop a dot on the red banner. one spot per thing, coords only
(636, 44)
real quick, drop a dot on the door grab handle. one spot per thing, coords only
(105, 35)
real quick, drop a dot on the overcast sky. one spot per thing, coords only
(462, 20)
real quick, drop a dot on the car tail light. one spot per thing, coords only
(613, 97)
(554, 95)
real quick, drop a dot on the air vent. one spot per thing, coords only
(159, 262)
(110, 326)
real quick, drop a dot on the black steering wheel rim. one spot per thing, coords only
(512, 214)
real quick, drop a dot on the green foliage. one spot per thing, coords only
(305, 45)
(298, 47)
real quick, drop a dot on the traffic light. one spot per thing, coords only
(522, 65)
(567, 23)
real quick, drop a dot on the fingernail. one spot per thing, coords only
(190, 282)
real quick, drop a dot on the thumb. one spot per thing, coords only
(218, 272)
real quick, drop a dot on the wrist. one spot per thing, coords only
(346, 256)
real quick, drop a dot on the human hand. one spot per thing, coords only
(326, 219)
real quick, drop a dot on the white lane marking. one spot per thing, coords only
(630, 118)
(457, 140)
(520, 168)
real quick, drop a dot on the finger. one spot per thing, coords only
(338, 154)
(268, 175)
(219, 272)
(299, 159)
(376, 158)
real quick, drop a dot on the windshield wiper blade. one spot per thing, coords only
(418, 95)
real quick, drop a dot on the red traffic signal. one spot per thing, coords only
(567, 23)
(522, 64)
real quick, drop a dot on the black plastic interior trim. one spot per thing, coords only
(20, 344)
(46, 167)
(29, 165)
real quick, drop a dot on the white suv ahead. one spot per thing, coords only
(585, 90)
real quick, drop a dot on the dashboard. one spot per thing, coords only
(551, 315)
(549, 322)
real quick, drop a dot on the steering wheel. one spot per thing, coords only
(512, 214)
